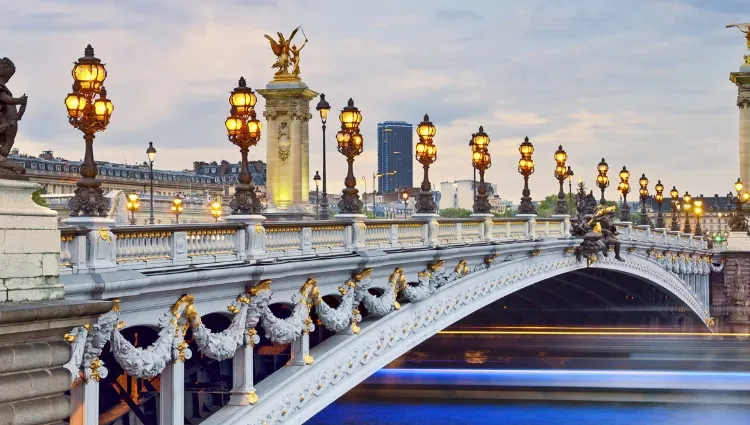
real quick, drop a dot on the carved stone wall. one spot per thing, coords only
(735, 291)
(287, 154)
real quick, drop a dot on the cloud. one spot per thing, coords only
(644, 86)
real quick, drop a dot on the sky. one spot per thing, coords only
(642, 83)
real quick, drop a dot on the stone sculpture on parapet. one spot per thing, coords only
(9, 117)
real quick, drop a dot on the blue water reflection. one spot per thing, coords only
(344, 413)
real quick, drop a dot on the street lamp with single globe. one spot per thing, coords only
(89, 114)
(323, 107)
(132, 204)
(624, 188)
(686, 206)
(675, 194)
(405, 198)
(316, 179)
(659, 201)
(350, 144)
(426, 155)
(561, 173)
(243, 130)
(216, 209)
(602, 181)
(481, 160)
(643, 192)
(151, 153)
(177, 208)
(570, 175)
(526, 168)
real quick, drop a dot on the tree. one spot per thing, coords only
(546, 208)
(506, 214)
(36, 196)
(455, 213)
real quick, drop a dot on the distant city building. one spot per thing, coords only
(460, 194)
(395, 153)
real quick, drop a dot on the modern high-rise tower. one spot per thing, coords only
(395, 153)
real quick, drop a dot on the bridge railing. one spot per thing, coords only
(158, 246)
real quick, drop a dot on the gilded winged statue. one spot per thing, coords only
(745, 28)
(280, 48)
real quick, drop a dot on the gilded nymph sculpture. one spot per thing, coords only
(281, 49)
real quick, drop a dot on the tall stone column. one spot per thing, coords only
(287, 155)
(742, 80)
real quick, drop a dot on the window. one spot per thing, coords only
(58, 168)
(33, 165)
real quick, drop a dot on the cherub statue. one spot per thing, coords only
(9, 117)
(281, 50)
(295, 58)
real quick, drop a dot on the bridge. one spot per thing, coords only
(369, 290)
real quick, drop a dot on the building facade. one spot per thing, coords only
(395, 153)
(460, 194)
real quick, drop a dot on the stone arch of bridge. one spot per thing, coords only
(345, 362)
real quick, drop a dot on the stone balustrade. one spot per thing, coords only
(159, 246)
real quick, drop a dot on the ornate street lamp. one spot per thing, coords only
(737, 221)
(177, 208)
(698, 212)
(561, 173)
(151, 154)
(526, 168)
(132, 204)
(316, 179)
(686, 205)
(659, 200)
(89, 115)
(643, 192)
(426, 155)
(570, 174)
(216, 209)
(481, 160)
(624, 188)
(602, 181)
(350, 144)
(243, 130)
(674, 194)
(405, 198)
(323, 108)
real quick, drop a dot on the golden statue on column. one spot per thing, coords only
(287, 54)
(745, 28)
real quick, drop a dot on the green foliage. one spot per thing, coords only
(370, 214)
(506, 214)
(455, 213)
(36, 196)
(546, 208)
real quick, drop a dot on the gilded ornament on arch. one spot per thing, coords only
(308, 359)
(263, 285)
(462, 268)
(490, 258)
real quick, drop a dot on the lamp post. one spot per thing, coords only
(89, 115)
(737, 221)
(323, 108)
(602, 181)
(243, 130)
(643, 192)
(624, 188)
(177, 208)
(350, 144)
(132, 204)
(405, 198)
(686, 205)
(481, 160)
(376, 176)
(363, 180)
(216, 209)
(426, 155)
(675, 224)
(659, 200)
(698, 212)
(570, 174)
(526, 168)
(151, 154)
(561, 173)
(316, 179)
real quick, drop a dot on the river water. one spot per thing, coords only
(529, 413)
